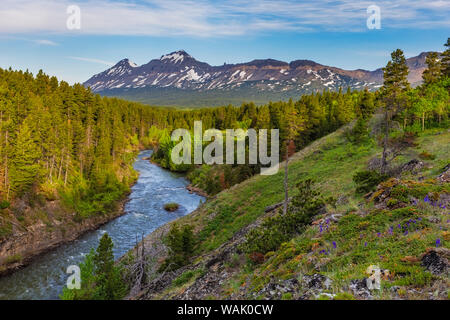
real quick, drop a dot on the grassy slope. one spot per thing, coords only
(331, 162)
(363, 240)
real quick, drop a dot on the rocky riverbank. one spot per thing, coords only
(27, 242)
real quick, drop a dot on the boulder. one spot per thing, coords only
(413, 166)
(359, 288)
(436, 260)
(445, 175)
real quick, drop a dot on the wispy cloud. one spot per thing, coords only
(108, 63)
(45, 42)
(204, 18)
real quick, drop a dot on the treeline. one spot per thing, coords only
(299, 122)
(61, 141)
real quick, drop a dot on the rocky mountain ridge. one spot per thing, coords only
(271, 78)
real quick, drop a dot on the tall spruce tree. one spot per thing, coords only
(108, 279)
(395, 85)
(446, 60)
(293, 125)
(433, 71)
(24, 166)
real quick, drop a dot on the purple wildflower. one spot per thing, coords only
(438, 242)
(334, 244)
(426, 199)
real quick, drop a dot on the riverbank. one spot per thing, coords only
(21, 248)
(139, 214)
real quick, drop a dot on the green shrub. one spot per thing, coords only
(360, 131)
(181, 244)
(4, 204)
(367, 180)
(96, 197)
(100, 277)
(281, 228)
(13, 259)
(172, 206)
(286, 296)
(5, 230)
(344, 296)
(186, 276)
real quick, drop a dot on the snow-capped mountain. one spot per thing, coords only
(270, 78)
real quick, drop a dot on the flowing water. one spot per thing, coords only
(45, 277)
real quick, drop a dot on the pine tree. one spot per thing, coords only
(24, 166)
(181, 244)
(394, 86)
(446, 60)
(364, 111)
(433, 71)
(108, 279)
(293, 125)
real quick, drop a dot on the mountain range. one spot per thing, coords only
(178, 79)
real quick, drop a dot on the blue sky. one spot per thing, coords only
(33, 33)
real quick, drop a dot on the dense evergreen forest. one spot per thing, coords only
(61, 139)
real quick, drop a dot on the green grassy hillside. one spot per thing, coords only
(392, 228)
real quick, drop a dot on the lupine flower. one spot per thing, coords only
(438, 242)
(365, 244)
(334, 244)
(426, 199)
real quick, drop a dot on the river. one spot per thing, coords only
(46, 275)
